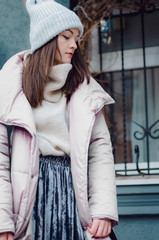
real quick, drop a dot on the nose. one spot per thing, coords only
(73, 44)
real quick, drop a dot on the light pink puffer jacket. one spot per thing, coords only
(94, 185)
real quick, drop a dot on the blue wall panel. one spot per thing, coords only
(138, 199)
(138, 207)
(66, 3)
(138, 228)
(14, 28)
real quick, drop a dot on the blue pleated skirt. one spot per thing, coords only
(55, 215)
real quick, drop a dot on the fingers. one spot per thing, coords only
(6, 236)
(93, 229)
(100, 228)
(10, 236)
(106, 229)
(3, 236)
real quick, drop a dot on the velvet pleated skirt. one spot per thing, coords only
(55, 215)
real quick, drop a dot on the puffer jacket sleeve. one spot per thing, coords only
(101, 184)
(6, 213)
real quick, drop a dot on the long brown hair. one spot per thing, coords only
(38, 66)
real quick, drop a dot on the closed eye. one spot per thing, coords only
(65, 37)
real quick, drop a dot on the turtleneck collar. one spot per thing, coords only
(58, 77)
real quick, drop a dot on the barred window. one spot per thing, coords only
(128, 53)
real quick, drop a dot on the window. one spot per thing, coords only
(130, 66)
(128, 116)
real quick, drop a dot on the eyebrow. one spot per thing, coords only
(71, 32)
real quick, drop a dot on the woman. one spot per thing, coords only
(59, 140)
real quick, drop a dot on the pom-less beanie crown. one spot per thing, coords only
(47, 19)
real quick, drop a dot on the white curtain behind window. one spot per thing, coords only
(138, 113)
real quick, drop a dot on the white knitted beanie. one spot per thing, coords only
(47, 19)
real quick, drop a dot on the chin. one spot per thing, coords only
(67, 61)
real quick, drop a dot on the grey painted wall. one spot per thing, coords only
(138, 207)
(66, 3)
(14, 28)
(138, 228)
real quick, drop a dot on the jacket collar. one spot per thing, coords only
(16, 110)
(14, 107)
(92, 94)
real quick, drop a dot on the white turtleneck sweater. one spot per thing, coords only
(52, 117)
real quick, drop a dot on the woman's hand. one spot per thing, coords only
(6, 236)
(100, 227)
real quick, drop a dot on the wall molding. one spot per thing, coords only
(138, 199)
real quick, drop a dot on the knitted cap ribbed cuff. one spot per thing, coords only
(47, 19)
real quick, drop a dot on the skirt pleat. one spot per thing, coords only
(55, 215)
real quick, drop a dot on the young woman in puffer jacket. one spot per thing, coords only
(61, 183)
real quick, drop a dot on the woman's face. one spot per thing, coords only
(66, 45)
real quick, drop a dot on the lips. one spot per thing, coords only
(70, 53)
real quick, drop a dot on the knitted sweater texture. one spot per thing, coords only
(51, 117)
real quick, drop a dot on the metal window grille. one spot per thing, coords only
(144, 133)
